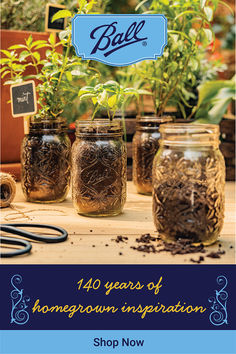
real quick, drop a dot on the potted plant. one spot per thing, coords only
(99, 154)
(19, 20)
(169, 77)
(45, 152)
(190, 33)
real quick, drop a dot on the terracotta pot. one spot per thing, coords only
(12, 128)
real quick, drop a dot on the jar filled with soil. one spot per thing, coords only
(45, 161)
(188, 183)
(99, 161)
(145, 146)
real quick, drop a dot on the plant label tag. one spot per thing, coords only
(119, 40)
(23, 99)
(57, 25)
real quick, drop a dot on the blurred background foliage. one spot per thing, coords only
(216, 60)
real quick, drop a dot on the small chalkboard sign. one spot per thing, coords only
(58, 25)
(23, 99)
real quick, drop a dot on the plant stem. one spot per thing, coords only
(64, 62)
(94, 69)
(34, 62)
(163, 105)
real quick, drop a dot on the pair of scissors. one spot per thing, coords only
(15, 229)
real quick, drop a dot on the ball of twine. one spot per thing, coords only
(7, 189)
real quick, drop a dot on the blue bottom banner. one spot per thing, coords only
(165, 309)
(161, 342)
(118, 297)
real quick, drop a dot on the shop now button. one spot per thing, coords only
(114, 343)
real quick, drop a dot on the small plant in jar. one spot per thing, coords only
(99, 155)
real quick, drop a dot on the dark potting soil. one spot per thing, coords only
(45, 168)
(144, 153)
(120, 238)
(182, 246)
(145, 248)
(99, 175)
(215, 254)
(188, 198)
(198, 261)
(152, 244)
(146, 238)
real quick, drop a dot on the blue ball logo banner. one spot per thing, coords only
(119, 40)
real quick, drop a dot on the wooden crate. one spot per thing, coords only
(227, 146)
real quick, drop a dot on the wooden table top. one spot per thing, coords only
(90, 239)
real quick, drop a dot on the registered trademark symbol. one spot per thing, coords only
(144, 43)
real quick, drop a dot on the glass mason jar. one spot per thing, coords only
(145, 146)
(45, 162)
(99, 162)
(188, 183)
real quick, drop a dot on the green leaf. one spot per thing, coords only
(5, 73)
(111, 85)
(23, 55)
(143, 92)
(37, 56)
(63, 35)
(209, 89)
(208, 12)
(3, 68)
(4, 61)
(179, 33)
(6, 52)
(85, 90)
(112, 101)
(78, 73)
(214, 98)
(17, 46)
(90, 5)
(174, 66)
(98, 87)
(42, 46)
(29, 41)
(52, 39)
(69, 76)
(34, 44)
(202, 3)
(208, 34)
(192, 33)
(164, 2)
(86, 95)
(11, 82)
(94, 100)
(165, 75)
(193, 63)
(61, 14)
(102, 98)
(130, 91)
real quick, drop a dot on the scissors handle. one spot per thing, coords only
(15, 241)
(15, 230)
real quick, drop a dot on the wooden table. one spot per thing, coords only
(90, 239)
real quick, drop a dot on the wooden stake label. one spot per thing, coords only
(23, 99)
